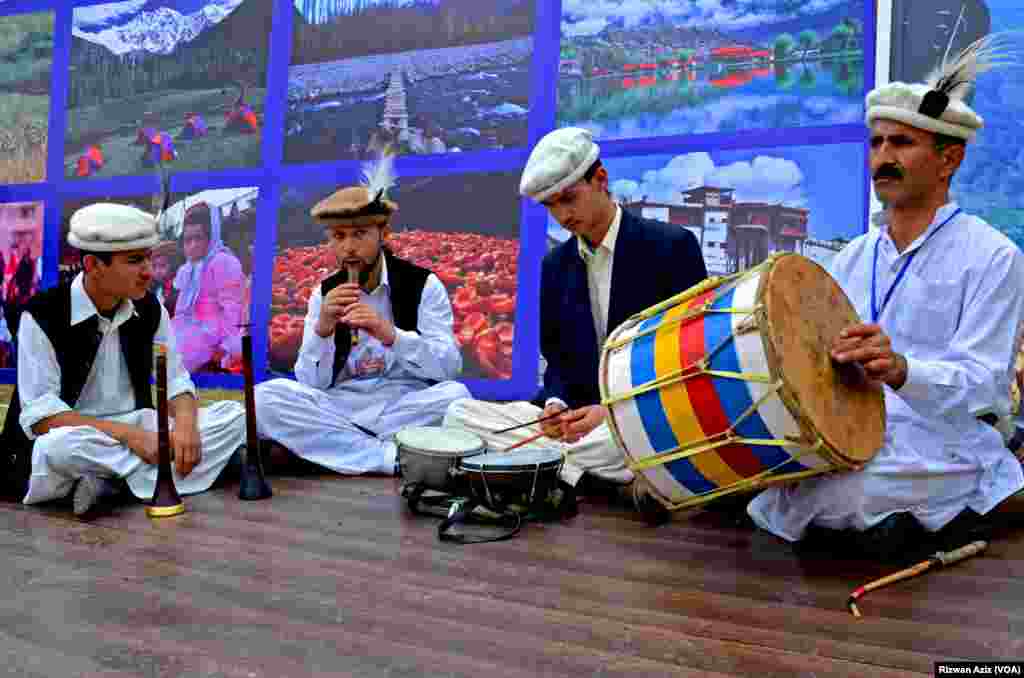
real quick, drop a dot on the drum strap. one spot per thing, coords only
(458, 511)
(464, 510)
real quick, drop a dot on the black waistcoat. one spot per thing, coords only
(76, 347)
(405, 280)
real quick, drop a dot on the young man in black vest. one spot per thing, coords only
(82, 413)
(377, 355)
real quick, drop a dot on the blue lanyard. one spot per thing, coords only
(875, 311)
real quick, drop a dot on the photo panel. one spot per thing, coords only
(26, 51)
(465, 228)
(178, 82)
(423, 76)
(647, 68)
(745, 205)
(202, 270)
(989, 182)
(21, 251)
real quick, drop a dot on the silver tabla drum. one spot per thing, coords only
(523, 478)
(430, 456)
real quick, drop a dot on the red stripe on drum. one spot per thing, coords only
(710, 412)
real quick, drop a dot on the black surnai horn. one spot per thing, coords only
(165, 502)
(252, 483)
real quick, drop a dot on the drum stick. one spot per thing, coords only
(524, 442)
(941, 559)
(353, 277)
(531, 423)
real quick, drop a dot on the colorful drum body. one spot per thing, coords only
(729, 386)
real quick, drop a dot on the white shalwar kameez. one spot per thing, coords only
(62, 455)
(955, 316)
(597, 452)
(382, 389)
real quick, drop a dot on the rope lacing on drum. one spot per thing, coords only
(694, 369)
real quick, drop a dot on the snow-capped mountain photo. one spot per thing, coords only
(153, 26)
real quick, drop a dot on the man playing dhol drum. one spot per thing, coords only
(942, 295)
(378, 353)
(616, 266)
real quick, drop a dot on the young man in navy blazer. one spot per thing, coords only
(615, 265)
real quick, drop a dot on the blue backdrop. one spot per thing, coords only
(293, 93)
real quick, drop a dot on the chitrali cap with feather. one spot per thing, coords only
(938, 104)
(363, 205)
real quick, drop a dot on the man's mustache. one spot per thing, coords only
(888, 172)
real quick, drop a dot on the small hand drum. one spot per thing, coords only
(520, 479)
(429, 456)
(729, 386)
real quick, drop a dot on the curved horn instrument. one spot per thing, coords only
(166, 501)
(252, 483)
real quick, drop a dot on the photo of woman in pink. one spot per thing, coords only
(210, 286)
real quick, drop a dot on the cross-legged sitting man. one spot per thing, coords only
(942, 294)
(378, 355)
(82, 415)
(615, 266)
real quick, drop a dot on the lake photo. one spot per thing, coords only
(643, 68)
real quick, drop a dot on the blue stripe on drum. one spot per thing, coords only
(635, 442)
(734, 394)
(652, 413)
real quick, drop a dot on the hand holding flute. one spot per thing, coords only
(353, 278)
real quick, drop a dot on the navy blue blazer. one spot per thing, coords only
(652, 262)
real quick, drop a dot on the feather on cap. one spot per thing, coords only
(363, 205)
(938, 105)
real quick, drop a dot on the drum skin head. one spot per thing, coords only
(805, 310)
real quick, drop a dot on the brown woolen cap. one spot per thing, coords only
(353, 206)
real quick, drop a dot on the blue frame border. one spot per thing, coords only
(273, 175)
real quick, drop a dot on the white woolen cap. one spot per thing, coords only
(558, 161)
(901, 102)
(109, 227)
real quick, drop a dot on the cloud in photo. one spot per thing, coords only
(590, 17)
(762, 179)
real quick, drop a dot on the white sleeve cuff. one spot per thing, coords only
(918, 384)
(182, 384)
(317, 347)
(555, 401)
(39, 409)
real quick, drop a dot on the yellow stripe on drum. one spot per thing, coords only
(676, 401)
(630, 425)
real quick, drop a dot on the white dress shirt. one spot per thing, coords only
(108, 390)
(955, 316)
(599, 261)
(376, 375)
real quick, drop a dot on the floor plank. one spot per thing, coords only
(334, 576)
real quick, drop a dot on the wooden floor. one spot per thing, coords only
(333, 576)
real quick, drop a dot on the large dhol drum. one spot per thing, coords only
(729, 386)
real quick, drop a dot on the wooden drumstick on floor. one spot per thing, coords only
(942, 559)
